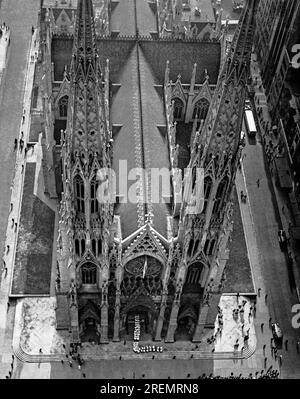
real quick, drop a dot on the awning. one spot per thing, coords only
(284, 176)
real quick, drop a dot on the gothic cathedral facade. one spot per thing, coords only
(124, 96)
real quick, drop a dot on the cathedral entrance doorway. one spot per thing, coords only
(89, 330)
(143, 318)
(186, 323)
(139, 304)
(89, 321)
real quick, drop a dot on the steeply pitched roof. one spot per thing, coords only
(127, 12)
(146, 19)
(118, 54)
(156, 52)
(139, 109)
(182, 56)
(122, 18)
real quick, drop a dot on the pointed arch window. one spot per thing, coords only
(206, 245)
(207, 190)
(94, 247)
(190, 248)
(220, 195)
(209, 246)
(82, 246)
(63, 107)
(77, 249)
(212, 247)
(201, 109)
(197, 244)
(193, 278)
(79, 193)
(99, 246)
(178, 109)
(94, 201)
(89, 273)
(194, 177)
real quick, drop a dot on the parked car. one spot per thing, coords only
(282, 239)
(277, 333)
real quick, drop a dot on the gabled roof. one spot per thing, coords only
(182, 55)
(139, 110)
(156, 52)
(145, 241)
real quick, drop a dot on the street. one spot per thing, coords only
(228, 11)
(279, 290)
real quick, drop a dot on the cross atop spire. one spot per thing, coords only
(85, 50)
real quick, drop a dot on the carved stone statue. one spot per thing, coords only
(176, 155)
(178, 289)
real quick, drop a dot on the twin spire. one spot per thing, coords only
(84, 48)
(221, 131)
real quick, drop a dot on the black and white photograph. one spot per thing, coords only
(149, 194)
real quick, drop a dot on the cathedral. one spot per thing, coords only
(118, 94)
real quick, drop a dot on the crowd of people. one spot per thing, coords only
(9, 375)
(243, 197)
(270, 374)
(74, 356)
(3, 28)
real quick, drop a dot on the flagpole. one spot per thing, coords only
(145, 267)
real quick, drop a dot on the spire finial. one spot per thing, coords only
(84, 47)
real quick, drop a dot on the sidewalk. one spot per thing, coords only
(4, 55)
(285, 215)
(256, 361)
(35, 338)
(6, 311)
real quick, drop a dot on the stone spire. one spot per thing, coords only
(87, 127)
(217, 150)
(221, 131)
(84, 48)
